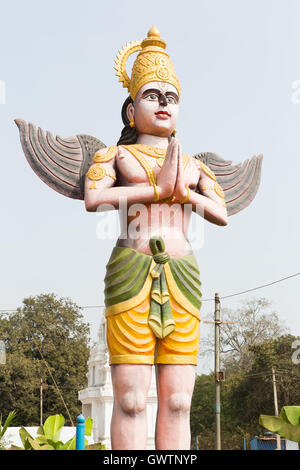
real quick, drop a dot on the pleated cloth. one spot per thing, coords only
(149, 300)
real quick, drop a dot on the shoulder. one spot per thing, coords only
(123, 151)
(105, 154)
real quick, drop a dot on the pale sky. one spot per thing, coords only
(237, 62)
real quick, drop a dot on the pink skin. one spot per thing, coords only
(147, 113)
(131, 382)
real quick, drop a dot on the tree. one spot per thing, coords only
(46, 340)
(202, 411)
(246, 394)
(252, 325)
(249, 394)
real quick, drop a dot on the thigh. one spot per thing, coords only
(175, 379)
(127, 378)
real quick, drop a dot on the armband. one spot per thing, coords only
(96, 173)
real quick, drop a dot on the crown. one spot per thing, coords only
(151, 64)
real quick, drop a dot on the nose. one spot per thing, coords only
(163, 100)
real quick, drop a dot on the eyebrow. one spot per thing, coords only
(155, 90)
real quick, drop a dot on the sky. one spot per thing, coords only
(238, 65)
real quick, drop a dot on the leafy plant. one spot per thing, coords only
(287, 424)
(48, 436)
(3, 428)
(62, 336)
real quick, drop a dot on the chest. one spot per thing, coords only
(135, 169)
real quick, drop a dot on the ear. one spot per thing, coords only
(130, 112)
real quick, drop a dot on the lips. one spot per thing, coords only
(162, 114)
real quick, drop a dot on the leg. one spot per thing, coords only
(175, 384)
(131, 383)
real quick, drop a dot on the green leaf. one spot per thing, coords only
(34, 444)
(8, 420)
(88, 426)
(52, 427)
(40, 431)
(59, 445)
(277, 425)
(291, 414)
(70, 444)
(97, 446)
(24, 435)
(41, 440)
(55, 444)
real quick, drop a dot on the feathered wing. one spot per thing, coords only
(239, 182)
(60, 163)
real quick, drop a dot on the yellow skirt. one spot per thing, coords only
(131, 341)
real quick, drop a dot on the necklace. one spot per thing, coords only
(158, 153)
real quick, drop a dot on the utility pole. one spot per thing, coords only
(275, 405)
(41, 402)
(219, 375)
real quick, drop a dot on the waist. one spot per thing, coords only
(128, 279)
(176, 243)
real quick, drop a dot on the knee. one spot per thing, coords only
(179, 402)
(132, 403)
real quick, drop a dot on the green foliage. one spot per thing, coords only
(48, 436)
(53, 426)
(251, 324)
(287, 424)
(54, 328)
(3, 428)
(246, 394)
(202, 408)
(97, 446)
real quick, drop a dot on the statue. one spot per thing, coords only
(152, 283)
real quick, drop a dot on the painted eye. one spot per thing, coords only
(152, 96)
(171, 99)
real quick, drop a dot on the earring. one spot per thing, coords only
(174, 131)
(131, 123)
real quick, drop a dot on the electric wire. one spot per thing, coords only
(84, 307)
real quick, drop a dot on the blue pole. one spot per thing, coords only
(197, 443)
(245, 445)
(80, 429)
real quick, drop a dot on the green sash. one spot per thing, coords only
(160, 317)
(128, 271)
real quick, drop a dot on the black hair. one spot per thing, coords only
(129, 134)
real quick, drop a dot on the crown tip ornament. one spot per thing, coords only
(153, 32)
(152, 63)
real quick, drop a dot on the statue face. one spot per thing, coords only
(155, 110)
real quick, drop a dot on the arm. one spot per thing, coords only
(104, 191)
(209, 200)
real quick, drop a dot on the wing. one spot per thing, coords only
(239, 182)
(60, 163)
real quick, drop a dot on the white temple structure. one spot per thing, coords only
(97, 398)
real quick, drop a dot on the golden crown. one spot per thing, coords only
(151, 64)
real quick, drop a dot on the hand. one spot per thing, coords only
(180, 190)
(166, 178)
